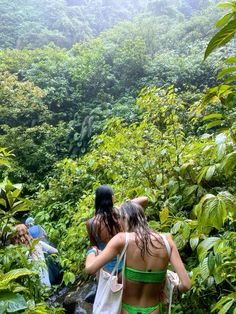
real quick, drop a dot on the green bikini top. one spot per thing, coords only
(145, 276)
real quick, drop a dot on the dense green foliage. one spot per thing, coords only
(75, 91)
(136, 108)
(30, 24)
(20, 287)
(66, 22)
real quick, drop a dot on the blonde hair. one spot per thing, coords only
(22, 235)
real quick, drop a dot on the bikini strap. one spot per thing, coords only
(166, 242)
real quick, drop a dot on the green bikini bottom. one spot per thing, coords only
(131, 309)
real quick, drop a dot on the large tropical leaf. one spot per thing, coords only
(225, 303)
(222, 37)
(212, 211)
(205, 246)
(229, 163)
(13, 274)
(12, 302)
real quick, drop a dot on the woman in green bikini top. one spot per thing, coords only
(146, 263)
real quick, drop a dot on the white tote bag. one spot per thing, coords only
(108, 298)
(172, 279)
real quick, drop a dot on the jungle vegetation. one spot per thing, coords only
(139, 95)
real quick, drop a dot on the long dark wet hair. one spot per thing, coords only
(137, 223)
(104, 209)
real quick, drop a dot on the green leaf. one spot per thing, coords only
(176, 227)
(205, 246)
(226, 5)
(12, 302)
(194, 243)
(218, 278)
(213, 116)
(230, 60)
(180, 242)
(229, 201)
(164, 214)
(210, 172)
(201, 174)
(221, 149)
(68, 277)
(204, 268)
(226, 71)
(225, 303)
(3, 202)
(213, 124)
(229, 163)
(211, 262)
(221, 37)
(13, 274)
(226, 307)
(186, 230)
(213, 213)
(230, 79)
(221, 22)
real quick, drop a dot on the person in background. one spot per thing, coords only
(23, 237)
(106, 222)
(147, 259)
(36, 231)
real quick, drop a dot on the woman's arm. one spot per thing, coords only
(89, 231)
(113, 248)
(141, 200)
(179, 267)
(48, 248)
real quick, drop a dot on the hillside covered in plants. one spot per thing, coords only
(139, 95)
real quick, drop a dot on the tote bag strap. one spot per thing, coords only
(121, 257)
(166, 242)
(124, 254)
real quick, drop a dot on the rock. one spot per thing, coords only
(76, 298)
(90, 296)
(74, 302)
(79, 310)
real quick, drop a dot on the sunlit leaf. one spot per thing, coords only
(204, 268)
(225, 71)
(221, 37)
(164, 214)
(205, 246)
(213, 116)
(221, 22)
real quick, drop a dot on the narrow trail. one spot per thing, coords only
(72, 297)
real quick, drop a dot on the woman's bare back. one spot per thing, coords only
(140, 293)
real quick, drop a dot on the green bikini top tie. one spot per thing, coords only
(145, 276)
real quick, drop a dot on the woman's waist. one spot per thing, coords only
(142, 294)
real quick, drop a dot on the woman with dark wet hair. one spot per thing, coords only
(147, 259)
(106, 222)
